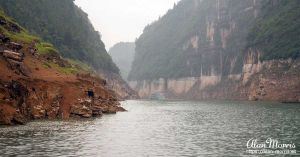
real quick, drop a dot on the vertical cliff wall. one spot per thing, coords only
(208, 49)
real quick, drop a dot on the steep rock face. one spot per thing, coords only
(276, 80)
(213, 56)
(173, 87)
(196, 38)
(36, 85)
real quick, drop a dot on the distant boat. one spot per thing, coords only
(157, 96)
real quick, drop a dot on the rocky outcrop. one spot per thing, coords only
(278, 80)
(39, 86)
(26, 99)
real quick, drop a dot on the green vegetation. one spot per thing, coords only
(225, 31)
(83, 66)
(65, 70)
(45, 48)
(46, 65)
(276, 31)
(8, 19)
(66, 26)
(21, 35)
(159, 49)
(165, 48)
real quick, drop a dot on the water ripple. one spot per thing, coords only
(153, 128)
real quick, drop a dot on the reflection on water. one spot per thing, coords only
(154, 128)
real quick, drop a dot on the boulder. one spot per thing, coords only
(82, 109)
(18, 118)
(97, 111)
(14, 63)
(15, 46)
(38, 112)
(19, 66)
(112, 110)
(121, 109)
(13, 55)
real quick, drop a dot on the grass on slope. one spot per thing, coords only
(43, 48)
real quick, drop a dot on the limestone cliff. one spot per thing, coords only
(215, 49)
(276, 80)
(37, 83)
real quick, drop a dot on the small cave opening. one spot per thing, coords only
(91, 93)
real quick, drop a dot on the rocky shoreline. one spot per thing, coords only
(25, 100)
(43, 86)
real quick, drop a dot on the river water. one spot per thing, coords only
(159, 128)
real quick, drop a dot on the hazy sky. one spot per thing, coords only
(123, 20)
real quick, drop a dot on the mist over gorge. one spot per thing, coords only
(123, 54)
